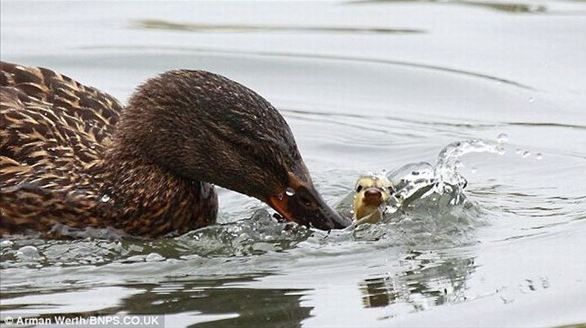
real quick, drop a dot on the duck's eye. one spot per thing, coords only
(305, 200)
(359, 188)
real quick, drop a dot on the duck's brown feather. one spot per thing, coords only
(57, 166)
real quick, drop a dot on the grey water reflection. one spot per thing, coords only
(509, 7)
(247, 306)
(429, 280)
(221, 299)
(157, 24)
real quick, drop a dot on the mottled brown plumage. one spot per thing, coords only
(72, 156)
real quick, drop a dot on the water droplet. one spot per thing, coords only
(391, 209)
(518, 151)
(154, 257)
(351, 211)
(6, 243)
(538, 156)
(135, 258)
(290, 191)
(27, 253)
(105, 198)
(473, 169)
(531, 99)
(526, 154)
(502, 138)
(500, 150)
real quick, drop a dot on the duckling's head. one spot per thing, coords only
(371, 194)
(202, 126)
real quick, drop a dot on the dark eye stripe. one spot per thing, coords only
(358, 188)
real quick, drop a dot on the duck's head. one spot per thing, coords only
(371, 194)
(204, 127)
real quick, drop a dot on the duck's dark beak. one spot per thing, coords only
(307, 209)
(301, 203)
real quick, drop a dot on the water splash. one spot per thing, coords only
(425, 192)
(447, 167)
(154, 257)
(420, 180)
(258, 235)
(437, 191)
(429, 207)
(410, 180)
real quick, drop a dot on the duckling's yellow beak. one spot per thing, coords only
(373, 196)
(301, 203)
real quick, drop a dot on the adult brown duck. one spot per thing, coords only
(72, 156)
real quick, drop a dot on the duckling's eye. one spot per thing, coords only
(358, 188)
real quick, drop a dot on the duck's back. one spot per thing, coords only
(52, 130)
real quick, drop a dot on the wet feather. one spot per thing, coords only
(54, 137)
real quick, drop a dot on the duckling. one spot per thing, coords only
(370, 196)
(71, 155)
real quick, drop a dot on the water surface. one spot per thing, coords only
(366, 86)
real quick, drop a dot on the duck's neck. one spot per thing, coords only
(142, 198)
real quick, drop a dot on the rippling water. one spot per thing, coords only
(483, 102)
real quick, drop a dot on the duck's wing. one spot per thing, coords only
(52, 130)
(50, 123)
